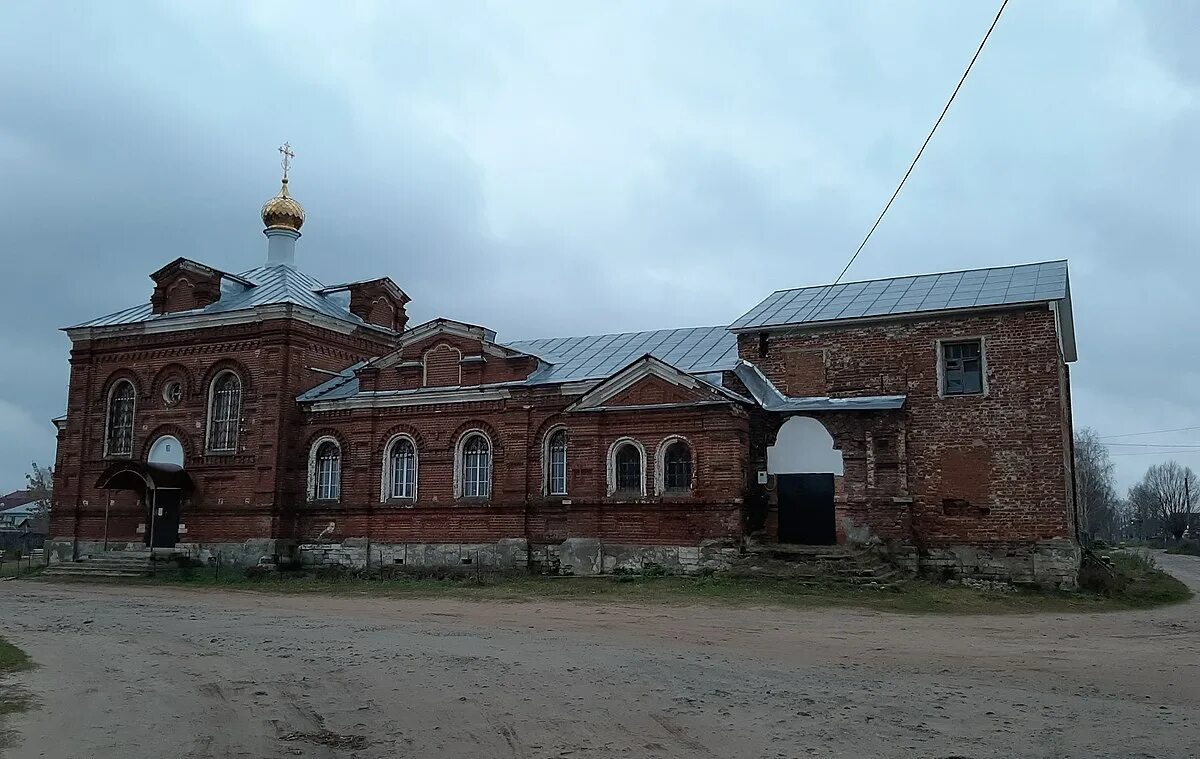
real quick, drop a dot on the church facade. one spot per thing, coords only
(268, 415)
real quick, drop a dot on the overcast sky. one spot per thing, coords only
(569, 168)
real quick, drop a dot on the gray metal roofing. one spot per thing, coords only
(273, 284)
(345, 385)
(975, 288)
(768, 396)
(695, 350)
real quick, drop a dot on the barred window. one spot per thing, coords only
(119, 432)
(329, 471)
(556, 465)
(402, 469)
(628, 469)
(962, 367)
(476, 467)
(677, 467)
(225, 413)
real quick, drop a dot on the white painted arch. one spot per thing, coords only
(166, 450)
(803, 446)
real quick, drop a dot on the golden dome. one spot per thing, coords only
(282, 211)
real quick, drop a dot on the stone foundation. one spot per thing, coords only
(589, 556)
(575, 556)
(64, 549)
(511, 554)
(1048, 564)
(246, 554)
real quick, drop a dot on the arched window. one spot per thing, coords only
(325, 470)
(627, 469)
(224, 413)
(677, 467)
(118, 439)
(475, 466)
(556, 463)
(400, 469)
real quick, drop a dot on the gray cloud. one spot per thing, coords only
(557, 168)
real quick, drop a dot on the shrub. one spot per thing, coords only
(1098, 576)
(1186, 548)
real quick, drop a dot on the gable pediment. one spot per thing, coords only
(185, 285)
(447, 353)
(650, 382)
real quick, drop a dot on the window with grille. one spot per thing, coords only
(677, 467)
(477, 467)
(119, 434)
(628, 469)
(556, 470)
(402, 469)
(225, 413)
(962, 368)
(329, 471)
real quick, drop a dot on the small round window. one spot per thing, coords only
(173, 392)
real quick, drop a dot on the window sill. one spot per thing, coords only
(324, 501)
(401, 503)
(477, 500)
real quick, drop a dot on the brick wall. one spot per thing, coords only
(517, 427)
(438, 361)
(275, 360)
(978, 469)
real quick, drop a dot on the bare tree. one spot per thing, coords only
(1096, 487)
(1167, 497)
(40, 484)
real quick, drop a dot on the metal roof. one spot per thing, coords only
(768, 396)
(694, 350)
(345, 385)
(975, 288)
(272, 285)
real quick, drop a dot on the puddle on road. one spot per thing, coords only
(326, 738)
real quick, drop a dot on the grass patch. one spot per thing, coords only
(1186, 548)
(12, 700)
(12, 659)
(1144, 586)
(20, 568)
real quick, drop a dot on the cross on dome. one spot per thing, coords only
(282, 211)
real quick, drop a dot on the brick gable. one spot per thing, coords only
(184, 285)
(656, 390)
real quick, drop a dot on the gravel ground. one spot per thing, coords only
(190, 673)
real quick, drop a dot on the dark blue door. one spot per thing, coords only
(806, 509)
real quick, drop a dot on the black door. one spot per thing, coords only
(806, 509)
(165, 519)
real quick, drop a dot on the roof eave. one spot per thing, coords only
(199, 319)
(906, 316)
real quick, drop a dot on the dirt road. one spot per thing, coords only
(126, 672)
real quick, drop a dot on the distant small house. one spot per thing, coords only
(22, 518)
(15, 498)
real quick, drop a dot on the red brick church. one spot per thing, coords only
(266, 415)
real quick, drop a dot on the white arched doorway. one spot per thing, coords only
(804, 463)
(804, 446)
(166, 450)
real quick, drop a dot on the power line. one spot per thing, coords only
(1151, 432)
(1156, 445)
(928, 137)
(1155, 453)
